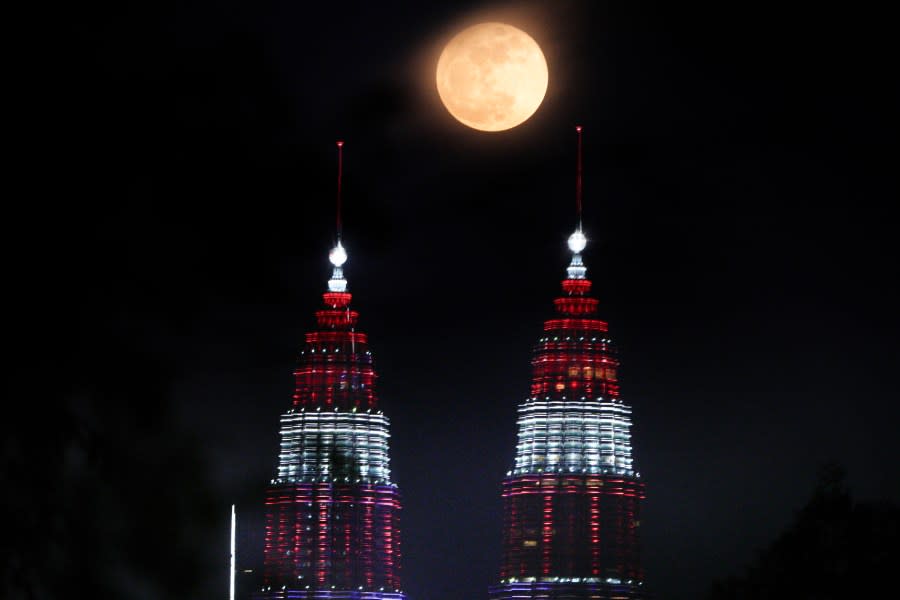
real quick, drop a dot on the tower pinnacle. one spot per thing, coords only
(572, 498)
(338, 256)
(332, 528)
(578, 129)
(577, 241)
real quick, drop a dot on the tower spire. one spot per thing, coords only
(572, 499)
(338, 224)
(332, 528)
(577, 241)
(338, 256)
(578, 178)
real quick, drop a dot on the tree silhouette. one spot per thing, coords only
(834, 548)
(105, 496)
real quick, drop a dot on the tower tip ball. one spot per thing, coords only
(340, 143)
(337, 256)
(577, 242)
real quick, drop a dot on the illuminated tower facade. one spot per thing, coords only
(332, 511)
(571, 502)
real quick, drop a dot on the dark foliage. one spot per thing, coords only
(104, 495)
(835, 548)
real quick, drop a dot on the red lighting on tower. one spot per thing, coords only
(571, 502)
(332, 512)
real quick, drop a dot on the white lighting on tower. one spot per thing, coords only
(338, 256)
(577, 242)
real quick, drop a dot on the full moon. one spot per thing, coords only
(492, 76)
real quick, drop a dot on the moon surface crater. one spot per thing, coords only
(492, 76)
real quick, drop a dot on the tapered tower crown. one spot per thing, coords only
(332, 511)
(335, 369)
(571, 501)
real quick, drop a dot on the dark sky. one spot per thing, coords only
(740, 184)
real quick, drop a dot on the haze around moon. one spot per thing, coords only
(492, 76)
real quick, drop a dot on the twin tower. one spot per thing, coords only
(571, 501)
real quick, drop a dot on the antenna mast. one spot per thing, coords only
(340, 146)
(578, 179)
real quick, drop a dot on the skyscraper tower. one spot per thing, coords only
(332, 512)
(571, 502)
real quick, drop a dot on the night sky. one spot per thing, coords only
(740, 183)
